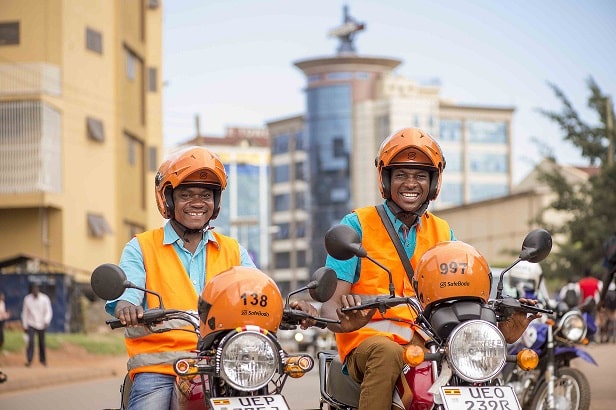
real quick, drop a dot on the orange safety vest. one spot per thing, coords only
(373, 280)
(156, 352)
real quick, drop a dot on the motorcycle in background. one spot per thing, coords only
(238, 362)
(464, 349)
(553, 384)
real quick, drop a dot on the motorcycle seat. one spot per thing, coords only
(340, 385)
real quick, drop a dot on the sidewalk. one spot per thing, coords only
(62, 367)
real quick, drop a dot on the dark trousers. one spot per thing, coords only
(41, 344)
(1, 333)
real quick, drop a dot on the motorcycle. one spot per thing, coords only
(464, 351)
(554, 384)
(238, 362)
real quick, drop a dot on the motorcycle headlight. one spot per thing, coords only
(248, 360)
(477, 350)
(572, 326)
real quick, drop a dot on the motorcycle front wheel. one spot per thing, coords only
(571, 392)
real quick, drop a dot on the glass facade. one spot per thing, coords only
(248, 206)
(328, 122)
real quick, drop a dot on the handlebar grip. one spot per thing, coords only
(320, 325)
(115, 323)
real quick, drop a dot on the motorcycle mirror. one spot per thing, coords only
(536, 246)
(323, 284)
(342, 242)
(108, 281)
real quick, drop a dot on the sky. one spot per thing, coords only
(230, 62)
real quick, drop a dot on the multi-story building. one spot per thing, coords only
(352, 103)
(245, 210)
(80, 127)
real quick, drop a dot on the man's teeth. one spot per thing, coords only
(195, 213)
(407, 195)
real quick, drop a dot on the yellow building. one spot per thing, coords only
(80, 127)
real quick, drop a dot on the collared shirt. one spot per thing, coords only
(132, 264)
(36, 311)
(349, 269)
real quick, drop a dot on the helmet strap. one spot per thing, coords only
(187, 231)
(403, 215)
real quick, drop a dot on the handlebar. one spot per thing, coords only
(292, 317)
(508, 305)
(157, 316)
(382, 303)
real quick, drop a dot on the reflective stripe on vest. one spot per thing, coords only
(374, 280)
(156, 352)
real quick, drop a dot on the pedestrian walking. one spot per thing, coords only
(36, 316)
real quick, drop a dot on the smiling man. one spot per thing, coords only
(176, 261)
(410, 165)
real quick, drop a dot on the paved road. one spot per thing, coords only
(301, 393)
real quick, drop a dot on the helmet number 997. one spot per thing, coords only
(453, 267)
(254, 299)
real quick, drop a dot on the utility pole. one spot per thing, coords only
(609, 129)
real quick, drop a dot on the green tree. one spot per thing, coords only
(591, 206)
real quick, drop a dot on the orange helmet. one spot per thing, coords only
(192, 165)
(410, 147)
(451, 269)
(237, 297)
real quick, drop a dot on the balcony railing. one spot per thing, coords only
(30, 148)
(30, 78)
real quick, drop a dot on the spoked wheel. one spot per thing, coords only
(571, 392)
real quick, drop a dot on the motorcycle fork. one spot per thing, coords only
(550, 370)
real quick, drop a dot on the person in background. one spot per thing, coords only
(36, 315)
(4, 316)
(175, 260)
(410, 167)
(590, 290)
(571, 294)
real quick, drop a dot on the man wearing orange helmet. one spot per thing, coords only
(410, 165)
(175, 261)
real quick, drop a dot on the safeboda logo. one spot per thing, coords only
(457, 283)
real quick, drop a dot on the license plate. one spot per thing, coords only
(272, 402)
(480, 398)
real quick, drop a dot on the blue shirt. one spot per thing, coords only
(349, 269)
(132, 264)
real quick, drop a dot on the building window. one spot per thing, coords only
(282, 260)
(98, 226)
(487, 132)
(282, 202)
(281, 144)
(94, 40)
(281, 173)
(131, 65)
(152, 159)
(450, 130)
(152, 79)
(96, 129)
(9, 33)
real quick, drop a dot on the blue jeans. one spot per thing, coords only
(152, 391)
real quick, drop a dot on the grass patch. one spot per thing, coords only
(111, 343)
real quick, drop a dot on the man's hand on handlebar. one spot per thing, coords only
(354, 319)
(306, 308)
(513, 327)
(128, 313)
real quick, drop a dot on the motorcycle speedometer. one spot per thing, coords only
(572, 326)
(476, 350)
(248, 360)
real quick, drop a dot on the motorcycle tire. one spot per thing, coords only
(567, 379)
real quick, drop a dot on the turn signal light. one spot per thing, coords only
(527, 359)
(297, 366)
(413, 355)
